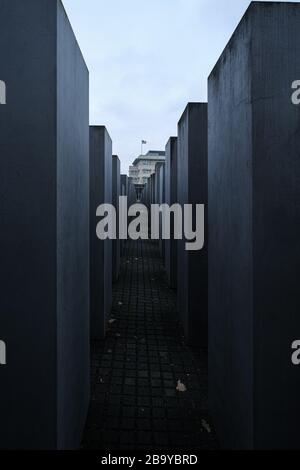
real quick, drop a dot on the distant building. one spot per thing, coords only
(144, 166)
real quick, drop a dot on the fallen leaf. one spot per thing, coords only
(206, 426)
(181, 387)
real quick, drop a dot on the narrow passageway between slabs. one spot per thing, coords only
(136, 403)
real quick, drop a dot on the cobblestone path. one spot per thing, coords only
(135, 404)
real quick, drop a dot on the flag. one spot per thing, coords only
(144, 142)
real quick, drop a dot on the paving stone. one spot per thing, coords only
(128, 423)
(144, 438)
(144, 424)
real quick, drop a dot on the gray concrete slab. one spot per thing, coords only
(192, 189)
(132, 197)
(148, 193)
(170, 199)
(152, 189)
(160, 199)
(116, 193)
(44, 237)
(100, 250)
(124, 192)
(254, 231)
(124, 185)
(157, 182)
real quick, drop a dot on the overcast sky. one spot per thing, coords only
(147, 59)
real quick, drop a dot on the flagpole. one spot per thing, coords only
(143, 142)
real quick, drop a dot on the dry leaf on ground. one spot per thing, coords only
(181, 387)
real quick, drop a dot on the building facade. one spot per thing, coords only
(144, 166)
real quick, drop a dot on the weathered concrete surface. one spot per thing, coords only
(100, 250)
(254, 230)
(145, 194)
(170, 199)
(124, 192)
(44, 237)
(116, 193)
(160, 199)
(152, 189)
(157, 182)
(132, 198)
(192, 278)
(124, 185)
(148, 193)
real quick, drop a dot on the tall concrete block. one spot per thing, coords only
(152, 189)
(124, 192)
(160, 199)
(192, 277)
(116, 193)
(157, 182)
(44, 237)
(124, 185)
(100, 250)
(145, 194)
(254, 230)
(148, 190)
(170, 199)
(132, 197)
